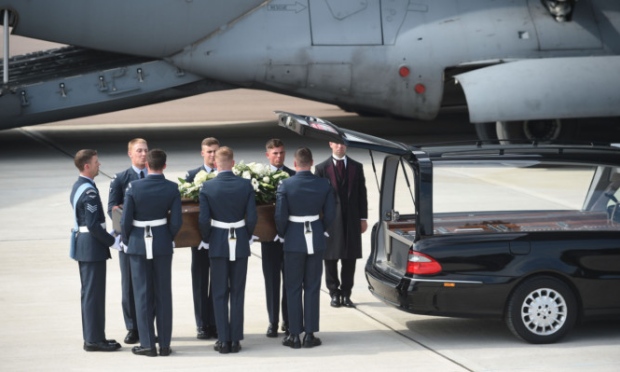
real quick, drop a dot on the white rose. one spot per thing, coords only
(266, 179)
(246, 175)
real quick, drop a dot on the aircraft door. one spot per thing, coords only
(338, 22)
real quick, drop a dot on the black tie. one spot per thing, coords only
(141, 174)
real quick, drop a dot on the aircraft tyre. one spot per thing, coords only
(537, 130)
(486, 131)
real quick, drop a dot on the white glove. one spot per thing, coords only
(117, 242)
(326, 234)
(253, 239)
(279, 239)
(203, 245)
(123, 246)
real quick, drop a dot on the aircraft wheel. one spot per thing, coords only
(542, 310)
(536, 130)
(486, 131)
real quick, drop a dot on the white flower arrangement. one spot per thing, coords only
(264, 181)
(191, 190)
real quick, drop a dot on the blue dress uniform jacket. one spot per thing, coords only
(94, 245)
(228, 198)
(92, 251)
(302, 195)
(118, 186)
(273, 269)
(155, 196)
(148, 199)
(201, 267)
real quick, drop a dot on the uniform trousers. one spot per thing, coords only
(201, 289)
(152, 289)
(274, 272)
(303, 273)
(92, 278)
(127, 301)
(228, 280)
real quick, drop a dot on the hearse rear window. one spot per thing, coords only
(517, 196)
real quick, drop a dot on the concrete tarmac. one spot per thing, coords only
(40, 288)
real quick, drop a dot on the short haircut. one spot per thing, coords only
(210, 141)
(83, 157)
(156, 159)
(303, 157)
(224, 153)
(273, 143)
(134, 141)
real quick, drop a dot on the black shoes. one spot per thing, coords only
(227, 347)
(285, 329)
(105, 345)
(292, 341)
(335, 302)
(201, 334)
(272, 330)
(311, 341)
(139, 350)
(346, 302)
(222, 347)
(132, 337)
(165, 351)
(235, 347)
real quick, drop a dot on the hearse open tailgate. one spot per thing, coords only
(320, 129)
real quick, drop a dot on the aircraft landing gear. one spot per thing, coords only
(529, 130)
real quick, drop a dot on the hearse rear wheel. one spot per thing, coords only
(541, 310)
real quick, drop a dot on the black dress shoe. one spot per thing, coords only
(335, 302)
(139, 350)
(285, 329)
(311, 341)
(292, 341)
(222, 347)
(272, 330)
(235, 347)
(132, 337)
(212, 332)
(346, 302)
(201, 334)
(165, 351)
(102, 346)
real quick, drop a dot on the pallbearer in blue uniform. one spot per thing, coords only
(305, 207)
(90, 247)
(203, 296)
(273, 255)
(227, 219)
(136, 149)
(151, 219)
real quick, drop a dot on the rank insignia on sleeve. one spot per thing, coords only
(92, 208)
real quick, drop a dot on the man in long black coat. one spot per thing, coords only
(345, 235)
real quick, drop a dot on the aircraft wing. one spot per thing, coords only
(549, 88)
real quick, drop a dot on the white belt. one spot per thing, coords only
(148, 234)
(153, 223)
(308, 233)
(232, 237)
(84, 229)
